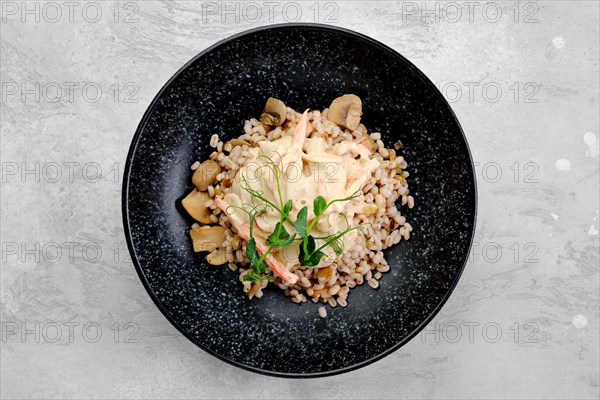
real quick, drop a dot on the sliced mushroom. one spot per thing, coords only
(217, 257)
(195, 204)
(237, 142)
(274, 112)
(207, 238)
(346, 111)
(206, 175)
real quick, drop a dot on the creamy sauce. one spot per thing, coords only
(311, 168)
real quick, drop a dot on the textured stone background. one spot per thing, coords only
(523, 79)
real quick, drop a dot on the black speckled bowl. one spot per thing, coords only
(305, 66)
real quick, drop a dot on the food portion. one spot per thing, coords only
(305, 201)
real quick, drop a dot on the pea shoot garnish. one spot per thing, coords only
(310, 253)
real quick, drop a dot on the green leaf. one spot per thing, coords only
(258, 265)
(311, 244)
(279, 233)
(315, 258)
(304, 253)
(280, 237)
(287, 242)
(252, 277)
(251, 251)
(319, 205)
(300, 224)
(308, 257)
(287, 207)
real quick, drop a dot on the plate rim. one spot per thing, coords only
(134, 145)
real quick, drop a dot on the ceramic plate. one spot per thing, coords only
(306, 66)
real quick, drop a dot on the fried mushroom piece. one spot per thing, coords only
(346, 111)
(217, 257)
(274, 112)
(207, 238)
(206, 175)
(195, 204)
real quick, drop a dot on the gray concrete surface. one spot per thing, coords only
(522, 77)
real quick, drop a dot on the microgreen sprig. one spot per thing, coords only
(310, 255)
(258, 262)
